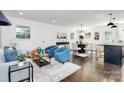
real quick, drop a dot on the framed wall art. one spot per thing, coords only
(96, 36)
(88, 35)
(23, 32)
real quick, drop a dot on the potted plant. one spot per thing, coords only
(21, 58)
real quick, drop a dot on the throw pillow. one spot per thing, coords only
(10, 54)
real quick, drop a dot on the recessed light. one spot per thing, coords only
(21, 13)
(53, 21)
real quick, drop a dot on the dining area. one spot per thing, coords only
(104, 53)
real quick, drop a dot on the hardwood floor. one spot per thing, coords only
(94, 71)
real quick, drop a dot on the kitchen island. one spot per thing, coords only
(113, 53)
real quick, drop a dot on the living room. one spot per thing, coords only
(81, 38)
(41, 35)
(91, 32)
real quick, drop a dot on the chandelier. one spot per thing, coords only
(82, 29)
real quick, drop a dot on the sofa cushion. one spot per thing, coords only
(10, 54)
(2, 59)
(4, 71)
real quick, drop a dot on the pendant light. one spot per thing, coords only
(114, 26)
(3, 20)
(110, 23)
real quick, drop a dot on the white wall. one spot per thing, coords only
(121, 31)
(39, 32)
(116, 34)
(45, 32)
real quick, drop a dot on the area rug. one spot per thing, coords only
(54, 72)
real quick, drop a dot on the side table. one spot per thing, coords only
(16, 68)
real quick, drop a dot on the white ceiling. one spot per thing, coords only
(69, 18)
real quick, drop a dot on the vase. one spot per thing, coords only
(20, 63)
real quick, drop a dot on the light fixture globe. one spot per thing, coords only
(3, 20)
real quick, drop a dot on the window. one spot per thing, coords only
(108, 35)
